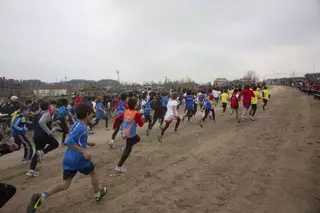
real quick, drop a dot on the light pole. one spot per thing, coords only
(118, 73)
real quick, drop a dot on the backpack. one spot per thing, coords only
(234, 101)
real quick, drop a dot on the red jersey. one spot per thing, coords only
(246, 96)
(115, 103)
(78, 100)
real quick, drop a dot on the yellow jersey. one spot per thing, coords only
(254, 100)
(265, 94)
(230, 92)
(224, 97)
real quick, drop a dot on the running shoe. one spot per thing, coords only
(35, 202)
(160, 138)
(32, 173)
(101, 194)
(148, 132)
(120, 169)
(111, 144)
(25, 161)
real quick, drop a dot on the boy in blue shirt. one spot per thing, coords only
(76, 159)
(189, 105)
(61, 115)
(100, 113)
(19, 130)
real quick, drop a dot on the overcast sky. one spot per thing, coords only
(150, 39)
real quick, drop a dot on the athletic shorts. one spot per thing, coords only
(224, 105)
(246, 106)
(265, 101)
(68, 174)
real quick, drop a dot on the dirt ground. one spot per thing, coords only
(271, 165)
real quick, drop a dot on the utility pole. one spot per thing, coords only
(118, 73)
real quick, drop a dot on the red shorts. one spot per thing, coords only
(168, 121)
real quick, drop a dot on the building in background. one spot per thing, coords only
(51, 90)
(220, 81)
(9, 87)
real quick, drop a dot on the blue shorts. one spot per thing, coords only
(246, 106)
(68, 174)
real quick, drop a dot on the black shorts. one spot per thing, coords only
(130, 142)
(67, 174)
(253, 106)
(224, 105)
(265, 101)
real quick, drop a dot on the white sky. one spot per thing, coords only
(150, 39)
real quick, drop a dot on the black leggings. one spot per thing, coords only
(6, 193)
(97, 122)
(64, 129)
(28, 150)
(253, 109)
(130, 142)
(41, 144)
(189, 114)
(206, 113)
(195, 109)
(154, 120)
(115, 132)
(168, 124)
(224, 106)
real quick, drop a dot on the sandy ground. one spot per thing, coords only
(268, 165)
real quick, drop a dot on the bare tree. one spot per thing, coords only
(250, 76)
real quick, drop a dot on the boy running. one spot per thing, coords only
(234, 104)
(76, 159)
(208, 108)
(224, 100)
(19, 130)
(254, 102)
(246, 95)
(265, 97)
(42, 136)
(131, 118)
(121, 109)
(171, 114)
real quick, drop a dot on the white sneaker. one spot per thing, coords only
(32, 173)
(111, 144)
(120, 169)
(251, 118)
(25, 161)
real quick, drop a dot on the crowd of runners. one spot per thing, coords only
(78, 118)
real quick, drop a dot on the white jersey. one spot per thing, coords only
(170, 113)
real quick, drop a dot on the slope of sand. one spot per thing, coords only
(269, 165)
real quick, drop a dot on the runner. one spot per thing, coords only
(224, 100)
(121, 109)
(254, 102)
(265, 97)
(130, 119)
(19, 130)
(246, 95)
(208, 108)
(234, 104)
(42, 136)
(171, 114)
(76, 159)
(157, 108)
(189, 105)
(101, 113)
